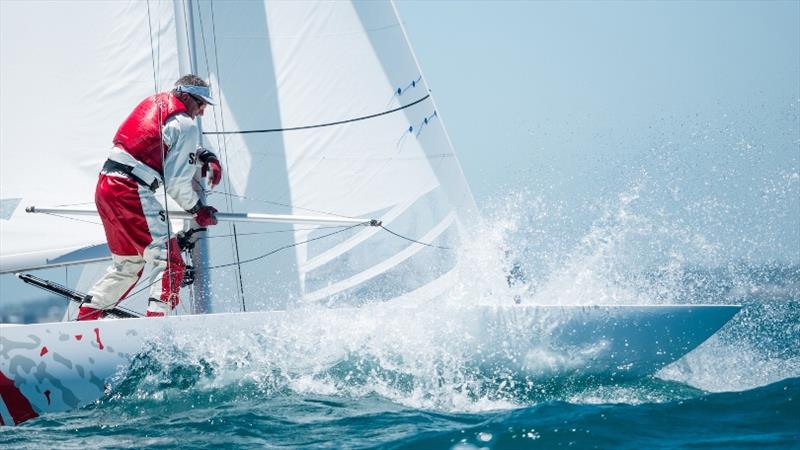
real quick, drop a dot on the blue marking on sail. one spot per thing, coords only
(411, 128)
(8, 206)
(411, 85)
(403, 89)
(426, 121)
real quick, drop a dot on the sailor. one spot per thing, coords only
(157, 145)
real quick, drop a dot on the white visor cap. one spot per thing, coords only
(198, 91)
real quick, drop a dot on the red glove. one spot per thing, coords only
(210, 161)
(205, 216)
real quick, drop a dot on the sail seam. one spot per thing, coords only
(351, 243)
(321, 125)
(332, 253)
(382, 267)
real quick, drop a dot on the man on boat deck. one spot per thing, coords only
(156, 145)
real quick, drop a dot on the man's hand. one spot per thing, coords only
(188, 276)
(186, 239)
(210, 162)
(205, 216)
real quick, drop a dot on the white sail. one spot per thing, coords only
(324, 109)
(71, 72)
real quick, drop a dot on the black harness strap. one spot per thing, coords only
(113, 166)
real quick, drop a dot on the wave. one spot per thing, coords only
(758, 418)
(634, 414)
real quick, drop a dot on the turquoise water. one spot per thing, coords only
(647, 414)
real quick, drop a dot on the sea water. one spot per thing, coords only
(379, 384)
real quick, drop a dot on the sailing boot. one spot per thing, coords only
(156, 308)
(87, 312)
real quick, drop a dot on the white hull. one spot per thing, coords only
(62, 366)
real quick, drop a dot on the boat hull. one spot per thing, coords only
(62, 366)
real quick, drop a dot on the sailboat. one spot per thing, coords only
(342, 194)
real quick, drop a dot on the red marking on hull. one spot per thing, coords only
(18, 406)
(97, 336)
(47, 394)
(78, 337)
(43, 352)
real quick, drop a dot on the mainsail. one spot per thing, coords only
(322, 110)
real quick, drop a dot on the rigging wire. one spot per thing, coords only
(187, 11)
(155, 54)
(198, 256)
(221, 266)
(258, 233)
(70, 218)
(222, 144)
(414, 240)
(186, 29)
(65, 205)
(271, 202)
(256, 258)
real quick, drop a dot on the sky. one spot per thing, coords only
(695, 104)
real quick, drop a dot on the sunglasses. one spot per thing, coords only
(198, 100)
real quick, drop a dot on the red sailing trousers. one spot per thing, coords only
(136, 228)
